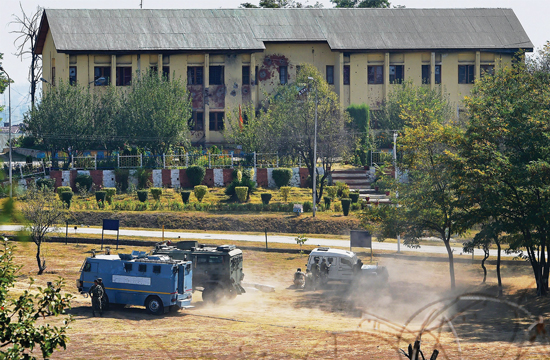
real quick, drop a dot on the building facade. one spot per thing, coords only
(230, 57)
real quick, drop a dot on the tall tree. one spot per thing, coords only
(427, 202)
(506, 157)
(361, 3)
(286, 125)
(26, 42)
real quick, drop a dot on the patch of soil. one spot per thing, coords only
(289, 224)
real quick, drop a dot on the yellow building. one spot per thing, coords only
(234, 56)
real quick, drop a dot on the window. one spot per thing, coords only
(256, 75)
(298, 69)
(346, 74)
(376, 74)
(166, 72)
(438, 74)
(102, 75)
(123, 76)
(87, 267)
(330, 74)
(487, 70)
(345, 262)
(142, 268)
(216, 75)
(195, 75)
(397, 74)
(196, 123)
(127, 267)
(53, 75)
(215, 259)
(216, 121)
(156, 269)
(72, 75)
(283, 74)
(426, 78)
(466, 74)
(246, 75)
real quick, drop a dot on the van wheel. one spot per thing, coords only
(154, 306)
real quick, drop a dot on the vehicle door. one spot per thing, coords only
(333, 268)
(88, 273)
(345, 269)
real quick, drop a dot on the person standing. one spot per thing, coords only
(96, 293)
(324, 272)
(316, 272)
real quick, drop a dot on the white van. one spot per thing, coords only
(344, 265)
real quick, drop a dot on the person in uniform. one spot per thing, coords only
(324, 272)
(104, 298)
(96, 293)
(299, 279)
(316, 272)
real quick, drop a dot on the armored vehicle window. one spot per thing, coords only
(142, 268)
(215, 259)
(346, 262)
(156, 269)
(202, 260)
(127, 267)
(87, 267)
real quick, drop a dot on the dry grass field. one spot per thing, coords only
(333, 323)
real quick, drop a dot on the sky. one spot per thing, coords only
(533, 15)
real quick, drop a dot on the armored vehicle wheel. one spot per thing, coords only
(154, 306)
(231, 294)
(212, 294)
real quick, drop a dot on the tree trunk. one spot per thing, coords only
(41, 266)
(485, 257)
(451, 259)
(498, 268)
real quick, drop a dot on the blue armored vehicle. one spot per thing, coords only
(157, 282)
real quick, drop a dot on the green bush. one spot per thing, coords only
(282, 176)
(346, 202)
(337, 207)
(185, 196)
(143, 178)
(63, 189)
(84, 181)
(354, 196)
(121, 178)
(142, 195)
(342, 189)
(109, 194)
(200, 192)
(45, 183)
(285, 192)
(242, 193)
(307, 206)
(156, 192)
(332, 191)
(327, 202)
(355, 207)
(100, 197)
(266, 198)
(245, 181)
(195, 174)
(66, 197)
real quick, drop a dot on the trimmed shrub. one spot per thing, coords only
(285, 192)
(346, 202)
(342, 187)
(66, 197)
(63, 189)
(100, 197)
(195, 174)
(332, 191)
(246, 181)
(142, 195)
(84, 181)
(282, 176)
(45, 183)
(266, 198)
(327, 202)
(156, 192)
(200, 191)
(337, 207)
(143, 178)
(109, 194)
(185, 196)
(121, 178)
(354, 196)
(242, 193)
(355, 207)
(307, 206)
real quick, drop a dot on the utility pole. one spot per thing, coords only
(141, 4)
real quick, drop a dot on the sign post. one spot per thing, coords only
(109, 224)
(360, 238)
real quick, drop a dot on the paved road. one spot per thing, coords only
(429, 249)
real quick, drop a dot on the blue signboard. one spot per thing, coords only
(359, 238)
(109, 224)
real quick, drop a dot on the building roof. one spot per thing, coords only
(249, 29)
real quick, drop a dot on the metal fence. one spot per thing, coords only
(171, 161)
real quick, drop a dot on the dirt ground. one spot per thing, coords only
(338, 322)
